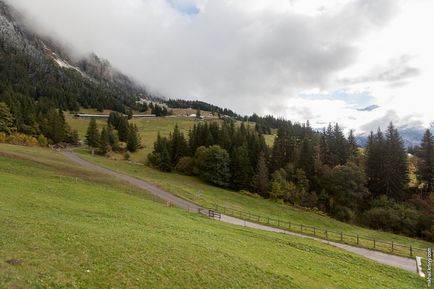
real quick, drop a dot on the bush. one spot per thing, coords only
(344, 214)
(42, 140)
(127, 156)
(388, 215)
(212, 165)
(185, 166)
(21, 139)
(3, 137)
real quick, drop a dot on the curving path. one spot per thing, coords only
(392, 260)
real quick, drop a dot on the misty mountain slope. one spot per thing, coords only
(35, 66)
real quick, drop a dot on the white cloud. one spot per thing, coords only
(261, 56)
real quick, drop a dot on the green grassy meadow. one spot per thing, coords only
(148, 129)
(69, 227)
(195, 190)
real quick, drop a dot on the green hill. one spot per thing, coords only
(66, 227)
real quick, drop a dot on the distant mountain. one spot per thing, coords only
(369, 108)
(36, 66)
(410, 136)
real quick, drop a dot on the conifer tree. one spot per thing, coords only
(306, 160)
(133, 141)
(375, 163)
(242, 171)
(113, 138)
(426, 167)
(103, 145)
(92, 135)
(395, 165)
(352, 145)
(164, 164)
(123, 129)
(177, 146)
(262, 176)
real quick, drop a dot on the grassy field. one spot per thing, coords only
(194, 189)
(148, 129)
(67, 227)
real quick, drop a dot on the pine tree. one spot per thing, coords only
(242, 171)
(164, 164)
(352, 146)
(375, 163)
(395, 165)
(262, 176)
(92, 135)
(339, 148)
(123, 129)
(306, 160)
(113, 138)
(426, 167)
(103, 145)
(177, 146)
(133, 141)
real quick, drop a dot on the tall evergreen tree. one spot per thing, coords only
(242, 171)
(396, 165)
(306, 160)
(103, 145)
(113, 138)
(92, 135)
(123, 129)
(425, 169)
(375, 163)
(262, 176)
(133, 141)
(352, 145)
(177, 146)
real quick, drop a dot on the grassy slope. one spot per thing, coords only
(148, 129)
(71, 232)
(194, 189)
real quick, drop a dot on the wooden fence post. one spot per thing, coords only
(392, 246)
(411, 251)
(342, 237)
(327, 235)
(357, 239)
(374, 243)
(314, 231)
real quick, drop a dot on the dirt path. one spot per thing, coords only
(392, 260)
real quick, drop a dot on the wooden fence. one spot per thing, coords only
(325, 234)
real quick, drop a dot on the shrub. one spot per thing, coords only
(185, 166)
(212, 165)
(42, 140)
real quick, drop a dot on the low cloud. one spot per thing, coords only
(256, 56)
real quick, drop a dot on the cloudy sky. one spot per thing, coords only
(314, 60)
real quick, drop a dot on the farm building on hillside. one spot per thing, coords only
(105, 116)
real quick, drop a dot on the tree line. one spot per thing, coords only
(325, 170)
(200, 105)
(117, 130)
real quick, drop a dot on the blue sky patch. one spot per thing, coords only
(358, 99)
(184, 7)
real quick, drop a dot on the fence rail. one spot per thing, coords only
(325, 234)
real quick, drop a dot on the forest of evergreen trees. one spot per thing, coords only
(323, 170)
(200, 105)
(117, 130)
